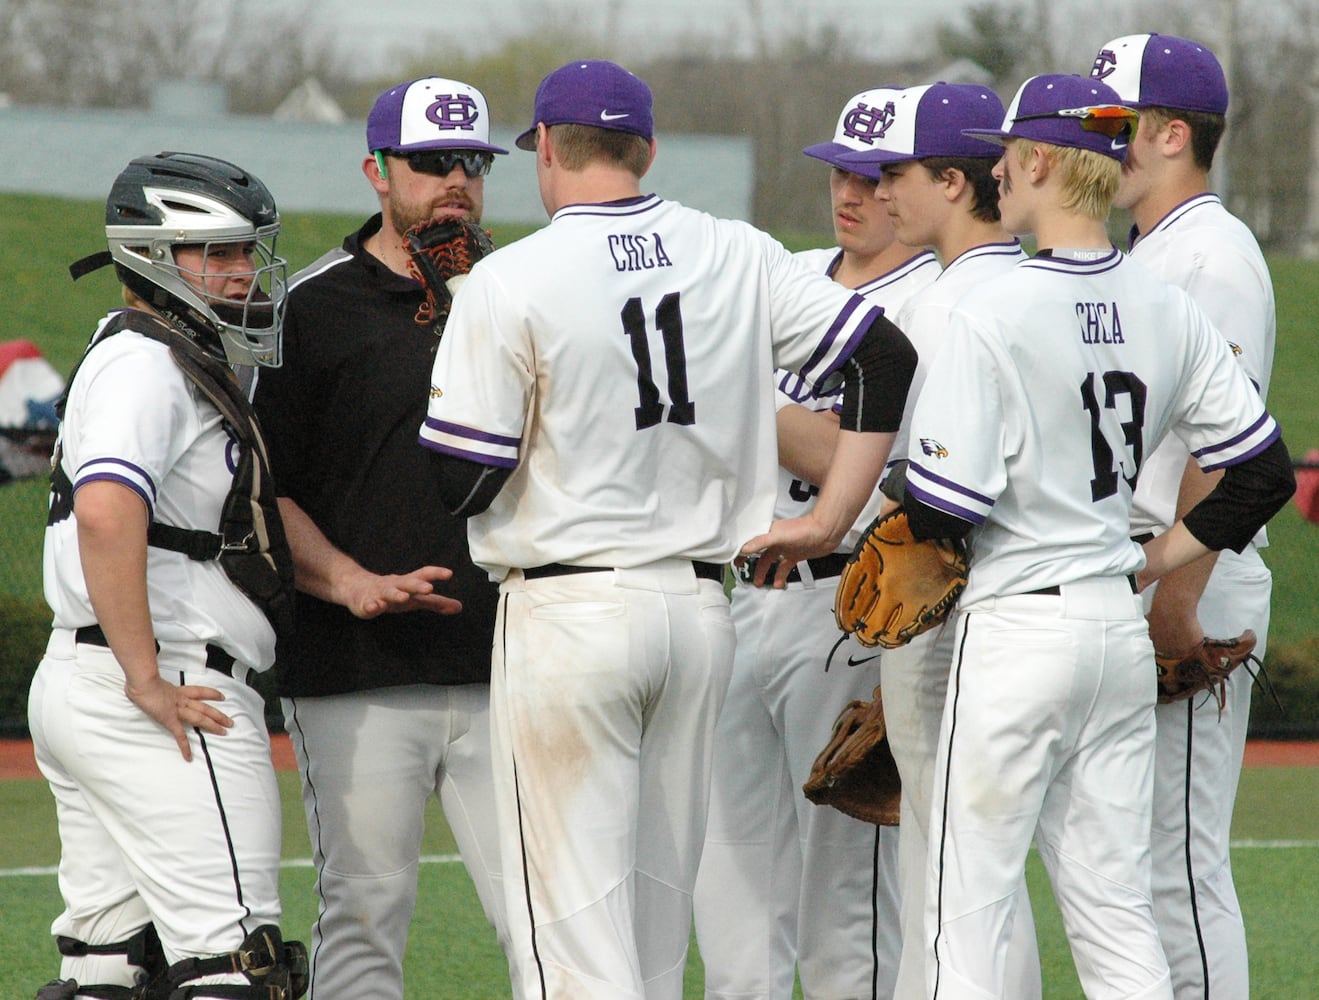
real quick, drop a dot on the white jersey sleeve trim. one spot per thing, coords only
(945, 495)
(118, 471)
(1249, 443)
(470, 443)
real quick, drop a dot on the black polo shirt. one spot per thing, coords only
(341, 418)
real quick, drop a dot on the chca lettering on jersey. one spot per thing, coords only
(1100, 323)
(638, 253)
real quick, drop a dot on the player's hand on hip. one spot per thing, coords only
(787, 543)
(179, 707)
(371, 594)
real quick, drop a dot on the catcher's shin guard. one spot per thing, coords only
(275, 970)
(141, 951)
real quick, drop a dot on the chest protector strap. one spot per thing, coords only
(249, 544)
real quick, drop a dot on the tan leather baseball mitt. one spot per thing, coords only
(856, 773)
(894, 587)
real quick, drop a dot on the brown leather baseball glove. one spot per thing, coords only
(440, 251)
(1205, 667)
(856, 773)
(894, 587)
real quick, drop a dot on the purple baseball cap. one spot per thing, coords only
(1066, 110)
(592, 92)
(430, 113)
(865, 119)
(1163, 71)
(928, 121)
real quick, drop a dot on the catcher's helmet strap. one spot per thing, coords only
(91, 263)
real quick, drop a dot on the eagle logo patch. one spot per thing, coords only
(932, 447)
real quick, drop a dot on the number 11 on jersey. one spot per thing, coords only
(668, 319)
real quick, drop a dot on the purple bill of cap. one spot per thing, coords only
(592, 92)
(929, 121)
(1065, 110)
(1163, 71)
(430, 113)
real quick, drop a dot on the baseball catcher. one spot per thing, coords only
(1205, 667)
(856, 773)
(895, 587)
(441, 252)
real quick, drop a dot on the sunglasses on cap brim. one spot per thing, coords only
(440, 162)
(1111, 120)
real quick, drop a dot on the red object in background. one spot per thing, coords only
(1307, 487)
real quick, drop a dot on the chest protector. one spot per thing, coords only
(249, 544)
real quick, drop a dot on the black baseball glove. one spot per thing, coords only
(441, 252)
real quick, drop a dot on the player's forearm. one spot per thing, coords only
(112, 547)
(1168, 551)
(806, 441)
(1174, 624)
(320, 568)
(858, 461)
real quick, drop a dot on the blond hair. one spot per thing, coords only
(578, 145)
(1089, 179)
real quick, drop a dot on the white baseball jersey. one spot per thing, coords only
(167, 444)
(663, 445)
(924, 318)
(892, 290)
(1201, 247)
(1140, 360)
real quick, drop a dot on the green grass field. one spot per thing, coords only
(452, 954)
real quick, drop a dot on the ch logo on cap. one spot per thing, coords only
(453, 111)
(866, 124)
(1105, 64)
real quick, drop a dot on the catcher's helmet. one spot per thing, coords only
(162, 202)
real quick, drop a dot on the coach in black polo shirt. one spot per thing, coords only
(385, 690)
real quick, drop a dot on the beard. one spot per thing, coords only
(403, 216)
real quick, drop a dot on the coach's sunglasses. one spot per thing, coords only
(440, 162)
(1111, 120)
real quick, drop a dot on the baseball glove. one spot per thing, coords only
(1204, 668)
(894, 587)
(440, 253)
(856, 773)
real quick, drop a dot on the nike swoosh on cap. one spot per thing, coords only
(605, 116)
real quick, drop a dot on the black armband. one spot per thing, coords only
(894, 485)
(876, 379)
(930, 522)
(1245, 498)
(466, 487)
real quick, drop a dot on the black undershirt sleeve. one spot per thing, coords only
(876, 379)
(1245, 498)
(930, 522)
(466, 487)
(925, 521)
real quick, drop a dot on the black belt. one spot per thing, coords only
(1057, 591)
(821, 569)
(704, 570)
(216, 658)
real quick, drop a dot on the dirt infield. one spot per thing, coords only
(16, 759)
